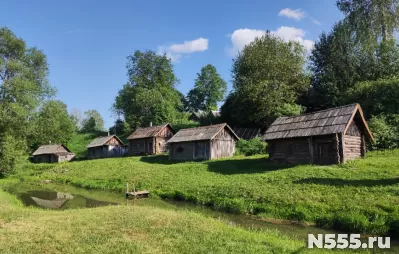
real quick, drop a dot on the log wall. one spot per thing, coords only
(353, 147)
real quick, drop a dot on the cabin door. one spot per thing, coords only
(325, 153)
(150, 148)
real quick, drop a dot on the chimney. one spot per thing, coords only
(150, 124)
(108, 133)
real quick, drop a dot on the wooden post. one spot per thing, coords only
(342, 148)
(311, 150)
(127, 190)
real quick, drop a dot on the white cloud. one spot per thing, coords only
(297, 14)
(241, 37)
(315, 21)
(176, 51)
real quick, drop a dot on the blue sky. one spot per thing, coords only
(87, 42)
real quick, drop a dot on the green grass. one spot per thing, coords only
(128, 229)
(357, 197)
(79, 142)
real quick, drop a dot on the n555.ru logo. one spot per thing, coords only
(344, 241)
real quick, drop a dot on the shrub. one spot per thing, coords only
(251, 147)
(385, 131)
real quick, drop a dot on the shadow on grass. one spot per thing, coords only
(159, 159)
(244, 166)
(348, 182)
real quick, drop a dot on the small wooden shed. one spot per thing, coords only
(105, 147)
(325, 137)
(52, 153)
(150, 140)
(203, 143)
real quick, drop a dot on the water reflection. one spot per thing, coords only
(59, 200)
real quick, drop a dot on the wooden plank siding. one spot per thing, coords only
(151, 145)
(222, 145)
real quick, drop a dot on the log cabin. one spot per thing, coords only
(105, 147)
(52, 153)
(150, 140)
(203, 143)
(325, 137)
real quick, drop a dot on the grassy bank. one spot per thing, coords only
(361, 196)
(127, 229)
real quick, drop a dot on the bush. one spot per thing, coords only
(251, 147)
(385, 131)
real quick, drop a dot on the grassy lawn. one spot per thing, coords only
(361, 196)
(128, 229)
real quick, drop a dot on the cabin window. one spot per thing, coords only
(180, 149)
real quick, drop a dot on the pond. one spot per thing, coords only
(61, 197)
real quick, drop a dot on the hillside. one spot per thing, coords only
(360, 196)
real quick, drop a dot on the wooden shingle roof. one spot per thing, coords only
(246, 133)
(330, 121)
(100, 141)
(200, 133)
(148, 132)
(52, 149)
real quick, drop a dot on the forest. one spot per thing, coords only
(356, 62)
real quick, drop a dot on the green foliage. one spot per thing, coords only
(209, 89)
(120, 127)
(377, 97)
(371, 20)
(251, 147)
(150, 95)
(23, 85)
(52, 124)
(93, 121)
(268, 77)
(385, 130)
(11, 152)
(338, 62)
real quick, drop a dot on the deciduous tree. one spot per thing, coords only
(209, 89)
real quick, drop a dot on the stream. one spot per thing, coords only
(62, 197)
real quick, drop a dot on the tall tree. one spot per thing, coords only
(92, 121)
(23, 85)
(338, 62)
(371, 19)
(150, 95)
(209, 89)
(52, 124)
(268, 76)
(76, 116)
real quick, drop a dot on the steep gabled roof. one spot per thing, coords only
(200, 133)
(330, 121)
(100, 141)
(148, 132)
(51, 149)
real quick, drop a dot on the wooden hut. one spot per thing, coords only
(104, 147)
(52, 153)
(247, 133)
(150, 140)
(325, 137)
(203, 143)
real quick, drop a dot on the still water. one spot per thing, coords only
(62, 197)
